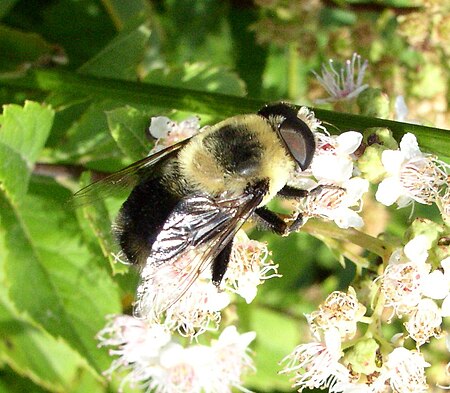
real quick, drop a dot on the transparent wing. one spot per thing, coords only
(194, 221)
(125, 178)
(197, 231)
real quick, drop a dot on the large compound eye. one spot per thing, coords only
(297, 137)
(299, 141)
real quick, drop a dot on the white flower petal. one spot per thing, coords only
(348, 142)
(171, 355)
(445, 310)
(160, 127)
(218, 300)
(332, 168)
(445, 263)
(347, 218)
(417, 249)
(389, 190)
(332, 340)
(392, 161)
(231, 336)
(355, 187)
(409, 146)
(435, 285)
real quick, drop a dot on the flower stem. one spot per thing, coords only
(321, 228)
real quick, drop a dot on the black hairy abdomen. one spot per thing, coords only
(235, 148)
(142, 217)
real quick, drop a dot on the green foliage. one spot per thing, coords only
(126, 63)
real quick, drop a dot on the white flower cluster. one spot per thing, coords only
(318, 365)
(335, 190)
(411, 175)
(413, 289)
(362, 367)
(341, 360)
(156, 363)
(352, 350)
(249, 266)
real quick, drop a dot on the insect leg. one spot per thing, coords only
(272, 220)
(220, 264)
(292, 192)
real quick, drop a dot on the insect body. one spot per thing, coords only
(198, 193)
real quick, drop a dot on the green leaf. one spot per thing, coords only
(23, 48)
(271, 348)
(127, 126)
(23, 133)
(25, 129)
(121, 57)
(431, 139)
(33, 353)
(10, 382)
(123, 12)
(14, 174)
(45, 261)
(88, 138)
(81, 27)
(96, 215)
(199, 76)
(5, 6)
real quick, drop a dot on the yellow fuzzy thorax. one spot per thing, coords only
(200, 168)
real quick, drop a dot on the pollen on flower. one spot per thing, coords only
(424, 322)
(137, 344)
(341, 311)
(345, 83)
(422, 179)
(322, 199)
(316, 364)
(151, 360)
(405, 372)
(248, 267)
(402, 286)
(335, 202)
(405, 278)
(411, 175)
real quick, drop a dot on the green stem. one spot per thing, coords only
(432, 139)
(367, 242)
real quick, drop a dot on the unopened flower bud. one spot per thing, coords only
(363, 356)
(370, 164)
(373, 102)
